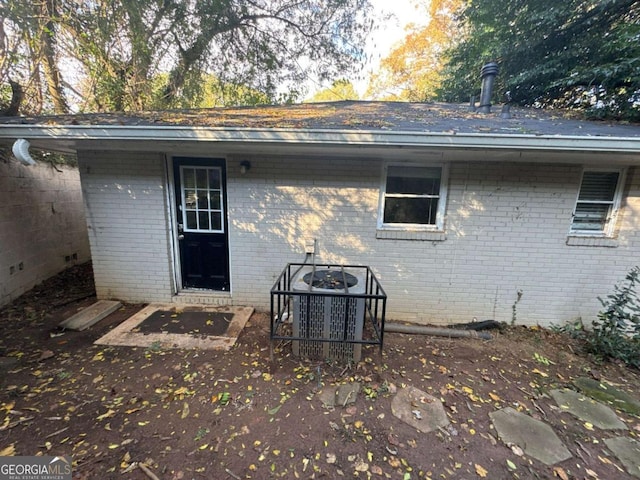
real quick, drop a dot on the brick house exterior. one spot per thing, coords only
(515, 233)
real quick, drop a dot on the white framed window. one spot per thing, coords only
(202, 199)
(598, 202)
(413, 197)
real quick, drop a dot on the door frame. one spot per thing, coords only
(172, 183)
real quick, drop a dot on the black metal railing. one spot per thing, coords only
(333, 323)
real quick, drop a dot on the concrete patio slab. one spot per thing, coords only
(627, 451)
(90, 315)
(128, 334)
(587, 410)
(419, 409)
(605, 392)
(536, 438)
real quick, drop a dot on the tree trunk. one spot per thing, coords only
(17, 94)
(51, 71)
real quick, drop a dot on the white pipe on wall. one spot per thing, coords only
(21, 152)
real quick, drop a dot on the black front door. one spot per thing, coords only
(202, 222)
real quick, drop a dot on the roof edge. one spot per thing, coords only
(86, 134)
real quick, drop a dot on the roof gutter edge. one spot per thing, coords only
(88, 134)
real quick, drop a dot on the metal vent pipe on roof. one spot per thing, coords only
(488, 75)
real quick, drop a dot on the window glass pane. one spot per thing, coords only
(191, 221)
(190, 199)
(189, 178)
(413, 180)
(214, 178)
(215, 201)
(410, 210)
(201, 178)
(216, 221)
(204, 220)
(202, 200)
(591, 216)
(599, 186)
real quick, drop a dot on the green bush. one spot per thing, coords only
(616, 333)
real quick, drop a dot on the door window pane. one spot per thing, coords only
(201, 178)
(202, 204)
(216, 221)
(189, 178)
(214, 178)
(192, 223)
(203, 201)
(190, 199)
(203, 218)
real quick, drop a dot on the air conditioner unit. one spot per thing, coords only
(327, 306)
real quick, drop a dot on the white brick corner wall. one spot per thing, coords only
(42, 224)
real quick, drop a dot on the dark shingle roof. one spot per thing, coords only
(354, 115)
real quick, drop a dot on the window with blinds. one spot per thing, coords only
(598, 202)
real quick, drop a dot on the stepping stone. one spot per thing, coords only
(90, 315)
(536, 438)
(347, 394)
(587, 410)
(419, 409)
(627, 451)
(341, 396)
(608, 393)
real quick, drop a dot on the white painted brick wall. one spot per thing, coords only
(125, 201)
(42, 225)
(506, 231)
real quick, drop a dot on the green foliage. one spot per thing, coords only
(574, 329)
(339, 90)
(616, 333)
(580, 54)
(115, 51)
(211, 92)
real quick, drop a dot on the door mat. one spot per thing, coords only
(180, 326)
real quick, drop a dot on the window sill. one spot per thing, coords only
(420, 235)
(591, 241)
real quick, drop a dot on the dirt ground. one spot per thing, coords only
(236, 415)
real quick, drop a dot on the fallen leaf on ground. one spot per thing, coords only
(9, 451)
(108, 414)
(560, 473)
(481, 471)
